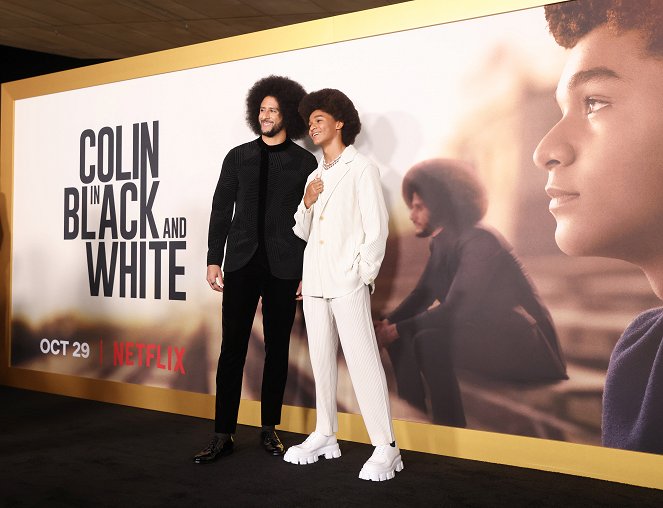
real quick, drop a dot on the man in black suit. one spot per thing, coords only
(263, 182)
(474, 307)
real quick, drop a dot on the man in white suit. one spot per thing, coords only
(344, 220)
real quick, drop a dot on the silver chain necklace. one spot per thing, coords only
(327, 165)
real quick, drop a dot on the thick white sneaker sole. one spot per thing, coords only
(300, 457)
(386, 474)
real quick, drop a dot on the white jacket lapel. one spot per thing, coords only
(334, 175)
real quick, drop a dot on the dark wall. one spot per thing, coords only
(22, 63)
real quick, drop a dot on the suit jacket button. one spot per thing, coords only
(321, 242)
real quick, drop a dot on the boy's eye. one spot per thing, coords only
(592, 105)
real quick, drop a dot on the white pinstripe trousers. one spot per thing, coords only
(348, 318)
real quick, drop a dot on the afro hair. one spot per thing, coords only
(570, 21)
(450, 190)
(288, 94)
(339, 106)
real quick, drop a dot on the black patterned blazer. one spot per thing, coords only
(235, 207)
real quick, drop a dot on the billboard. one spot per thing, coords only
(108, 178)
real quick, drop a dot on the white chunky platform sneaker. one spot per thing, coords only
(313, 447)
(383, 465)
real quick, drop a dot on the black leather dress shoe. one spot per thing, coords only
(271, 442)
(216, 448)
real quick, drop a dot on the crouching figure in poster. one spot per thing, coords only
(474, 306)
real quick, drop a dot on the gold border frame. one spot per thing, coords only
(592, 461)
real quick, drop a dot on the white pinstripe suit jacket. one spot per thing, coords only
(345, 230)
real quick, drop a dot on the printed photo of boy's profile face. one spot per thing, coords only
(605, 156)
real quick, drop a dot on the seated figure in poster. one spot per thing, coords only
(473, 308)
(604, 160)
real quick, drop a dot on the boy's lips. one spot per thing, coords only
(559, 197)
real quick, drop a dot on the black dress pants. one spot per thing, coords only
(242, 290)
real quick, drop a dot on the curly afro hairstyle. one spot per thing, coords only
(288, 94)
(338, 105)
(569, 22)
(454, 196)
